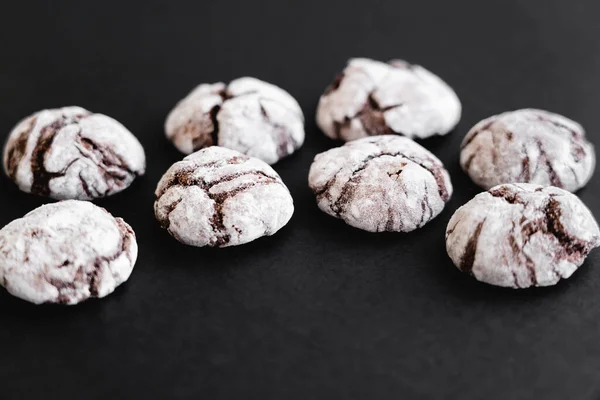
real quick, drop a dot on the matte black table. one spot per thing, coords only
(319, 310)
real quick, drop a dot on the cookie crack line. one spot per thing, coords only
(92, 278)
(450, 231)
(84, 186)
(126, 234)
(282, 105)
(282, 137)
(18, 148)
(509, 196)
(185, 177)
(515, 280)
(575, 177)
(199, 141)
(213, 115)
(425, 205)
(437, 174)
(371, 117)
(41, 176)
(548, 224)
(467, 164)
(554, 179)
(474, 134)
(217, 220)
(389, 226)
(572, 246)
(468, 258)
(214, 134)
(108, 157)
(394, 64)
(577, 150)
(517, 252)
(111, 166)
(525, 172)
(165, 222)
(221, 162)
(324, 190)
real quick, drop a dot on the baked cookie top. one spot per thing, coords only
(248, 115)
(521, 235)
(530, 146)
(374, 98)
(383, 183)
(65, 253)
(220, 197)
(72, 153)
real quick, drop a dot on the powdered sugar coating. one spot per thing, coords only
(374, 98)
(530, 146)
(65, 253)
(253, 117)
(220, 197)
(521, 235)
(71, 153)
(383, 183)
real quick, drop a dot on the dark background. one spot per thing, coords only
(320, 310)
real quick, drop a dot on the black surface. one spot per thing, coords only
(320, 310)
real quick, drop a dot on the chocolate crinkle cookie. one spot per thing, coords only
(521, 235)
(384, 183)
(220, 197)
(71, 153)
(65, 253)
(529, 146)
(374, 98)
(248, 115)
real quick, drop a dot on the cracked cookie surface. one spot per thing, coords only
(383, 183)
(521, 235)
(65, 253)
(374, 98)
(529, 146)
(219, 197)
(248, 115)
(71, 153)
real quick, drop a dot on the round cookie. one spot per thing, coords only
(65, 253)
(219, 197)
(71, 153)
(383, 183)
(529, 146)
(374, 98)
(253, 117)
(521, 235)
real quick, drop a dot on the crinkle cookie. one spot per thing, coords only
(383, 183)
(71, 153)
(529, 146)
(521, 235)
(65, 253)
(374, 98)
(248, 115)
(219, 197)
